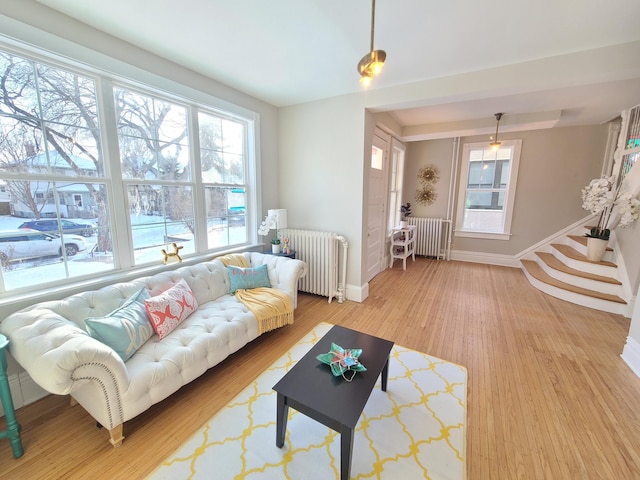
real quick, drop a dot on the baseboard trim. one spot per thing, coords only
(529, 253)
(357, 294)
(631, 355)
(488, 258)
(23, 391)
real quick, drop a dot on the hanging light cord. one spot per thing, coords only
(372, 62)
(373, 20)
(498, 117)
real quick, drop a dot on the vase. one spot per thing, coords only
(275, 248)
(403, 224)
(596, 248)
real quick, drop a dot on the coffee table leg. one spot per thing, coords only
(346, 448)
(385, 374)
(282, 410)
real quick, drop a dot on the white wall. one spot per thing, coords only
(629, 237)
(321, 164)
(421, 154)
(629, 242)
(631, 351)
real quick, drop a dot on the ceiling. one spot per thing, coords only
(287, 52)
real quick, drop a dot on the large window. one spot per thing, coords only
(175, 172)
(487, 189)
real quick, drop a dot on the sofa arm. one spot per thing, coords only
(58, 355)
(284, 272)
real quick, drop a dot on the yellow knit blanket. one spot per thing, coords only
(235, 260)
(272, 307)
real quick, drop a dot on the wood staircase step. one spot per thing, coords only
(583, 241)
(538, 273)
(572, 253)
(556, 264)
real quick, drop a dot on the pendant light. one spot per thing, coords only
(371, 64)
(495, 144)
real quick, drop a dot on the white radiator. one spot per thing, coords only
(429, 236)
(321, 252)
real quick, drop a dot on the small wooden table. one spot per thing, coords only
(311, 388)
(13, 428)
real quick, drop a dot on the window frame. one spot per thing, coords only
(396, 184)
(194, 101)
(510, 191)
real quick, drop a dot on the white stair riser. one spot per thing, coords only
(578, 299)
(596, 285)
(593, 268)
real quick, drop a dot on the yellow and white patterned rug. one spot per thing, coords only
(414, 430)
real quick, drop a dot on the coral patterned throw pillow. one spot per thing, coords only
(171, 307)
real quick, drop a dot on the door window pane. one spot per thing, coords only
(376, 157)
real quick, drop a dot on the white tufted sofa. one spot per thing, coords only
(50, 342)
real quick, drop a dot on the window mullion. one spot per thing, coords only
(121, 224)
(199, 210)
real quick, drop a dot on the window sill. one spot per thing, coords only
(485, 235)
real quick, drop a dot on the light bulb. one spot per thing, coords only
(365, 80)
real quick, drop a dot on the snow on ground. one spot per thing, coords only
(148, 239)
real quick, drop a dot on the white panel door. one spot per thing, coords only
(376, 206)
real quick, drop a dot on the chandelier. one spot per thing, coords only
(371, 64)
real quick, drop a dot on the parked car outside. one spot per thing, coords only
(236, 217)
(28, 244)
(51, 225)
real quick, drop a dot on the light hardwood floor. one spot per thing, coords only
(548, 395)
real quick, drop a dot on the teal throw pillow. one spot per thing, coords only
(246, 278)
(125, 329)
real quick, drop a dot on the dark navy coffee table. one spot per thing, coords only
(310, 388)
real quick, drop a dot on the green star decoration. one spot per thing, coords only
(342, 360)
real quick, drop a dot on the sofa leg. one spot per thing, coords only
(116, 436)
(72, 401)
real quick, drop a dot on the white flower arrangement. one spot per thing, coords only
(598, 195)
(264, 227)
(628, 208)
(601, 196)
(267, 225)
